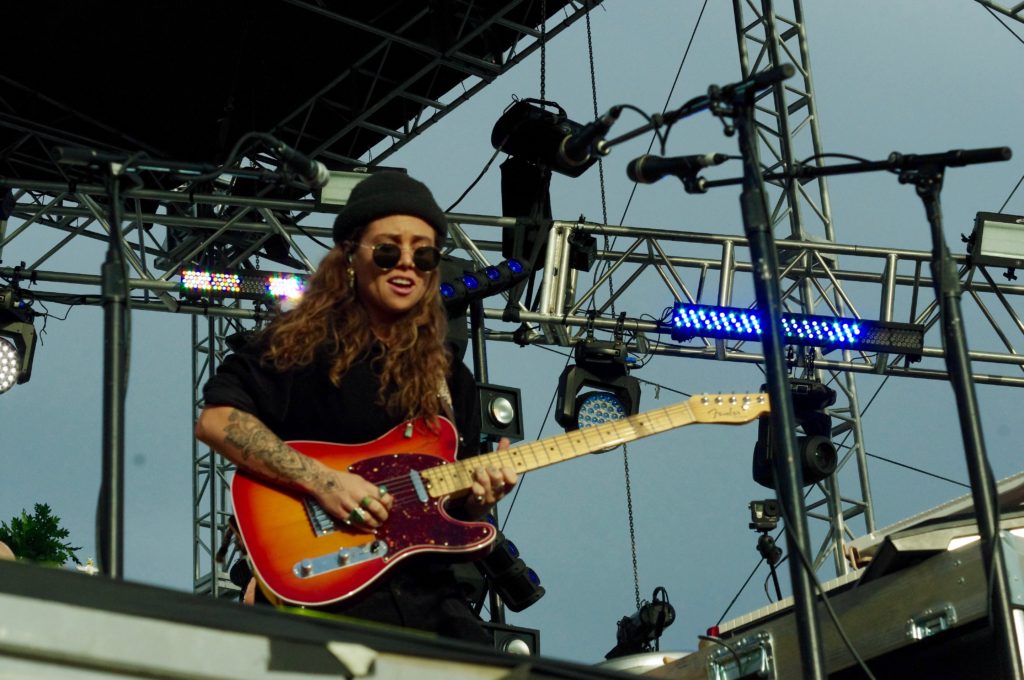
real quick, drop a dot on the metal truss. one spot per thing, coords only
(1013, 11)
(213, 550)
(873, 283)
(465, 62)
(787, 128)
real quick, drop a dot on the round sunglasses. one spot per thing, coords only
(387, 255)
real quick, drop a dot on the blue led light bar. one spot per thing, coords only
(733, 323)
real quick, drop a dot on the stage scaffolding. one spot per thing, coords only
(179, 226)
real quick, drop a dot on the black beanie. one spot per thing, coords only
(388, 193)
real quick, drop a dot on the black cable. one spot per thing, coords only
(738, 593)
(314, 239)
(720, 641)
(476, 181)
(846, 156)
(809, 568)
(923, 472)
(1011, 194)
(664, 139)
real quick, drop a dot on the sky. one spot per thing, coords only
(888, 76)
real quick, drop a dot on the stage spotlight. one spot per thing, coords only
(602, 366)
(17, 347)
(998, 241)
(734, 323)
(641, 631)
(539, 136)
(815, 451)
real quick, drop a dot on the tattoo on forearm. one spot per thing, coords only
(261, 448)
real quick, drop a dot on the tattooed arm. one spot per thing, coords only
(244, 440)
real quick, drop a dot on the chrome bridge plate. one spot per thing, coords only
(346, 557)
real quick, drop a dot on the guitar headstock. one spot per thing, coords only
(729, 409)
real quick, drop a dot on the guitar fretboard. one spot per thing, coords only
(458, 477)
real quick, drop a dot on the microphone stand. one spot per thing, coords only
(116, 320)
(788, 477)
(926, 173)
(737, 101)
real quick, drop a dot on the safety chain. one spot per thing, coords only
(611, 292)
(632, 526)
(543, 48)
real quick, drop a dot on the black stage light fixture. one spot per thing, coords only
(816, 451)
(640, 631)
(501, 411)
(582, 250)
(17, 344)
(534, 134)
(602, 366)
(997, 241)
(458, 320)
(540, 139)
(516, 584)
(459, 290)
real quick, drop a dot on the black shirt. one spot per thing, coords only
(303, 403)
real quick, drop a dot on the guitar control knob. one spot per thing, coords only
(306, 568)
(343, 557)
(377, 546)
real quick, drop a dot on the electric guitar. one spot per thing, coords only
(303, 556)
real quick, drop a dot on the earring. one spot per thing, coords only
(351, 277)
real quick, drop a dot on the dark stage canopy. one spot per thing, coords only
(185, 79)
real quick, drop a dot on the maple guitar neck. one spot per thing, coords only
(728, 409)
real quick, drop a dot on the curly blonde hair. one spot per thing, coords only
(330, 318)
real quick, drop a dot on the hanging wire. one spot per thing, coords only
(1011, 194)
(600, 161)
(668, 99)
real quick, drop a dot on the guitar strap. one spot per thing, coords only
(445, 397)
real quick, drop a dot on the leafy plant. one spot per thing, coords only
(39, 537)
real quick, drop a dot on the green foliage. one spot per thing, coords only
(39, 537)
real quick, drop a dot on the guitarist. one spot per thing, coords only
(362, 352)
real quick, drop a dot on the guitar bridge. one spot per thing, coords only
(319, 519)
(346, 557)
